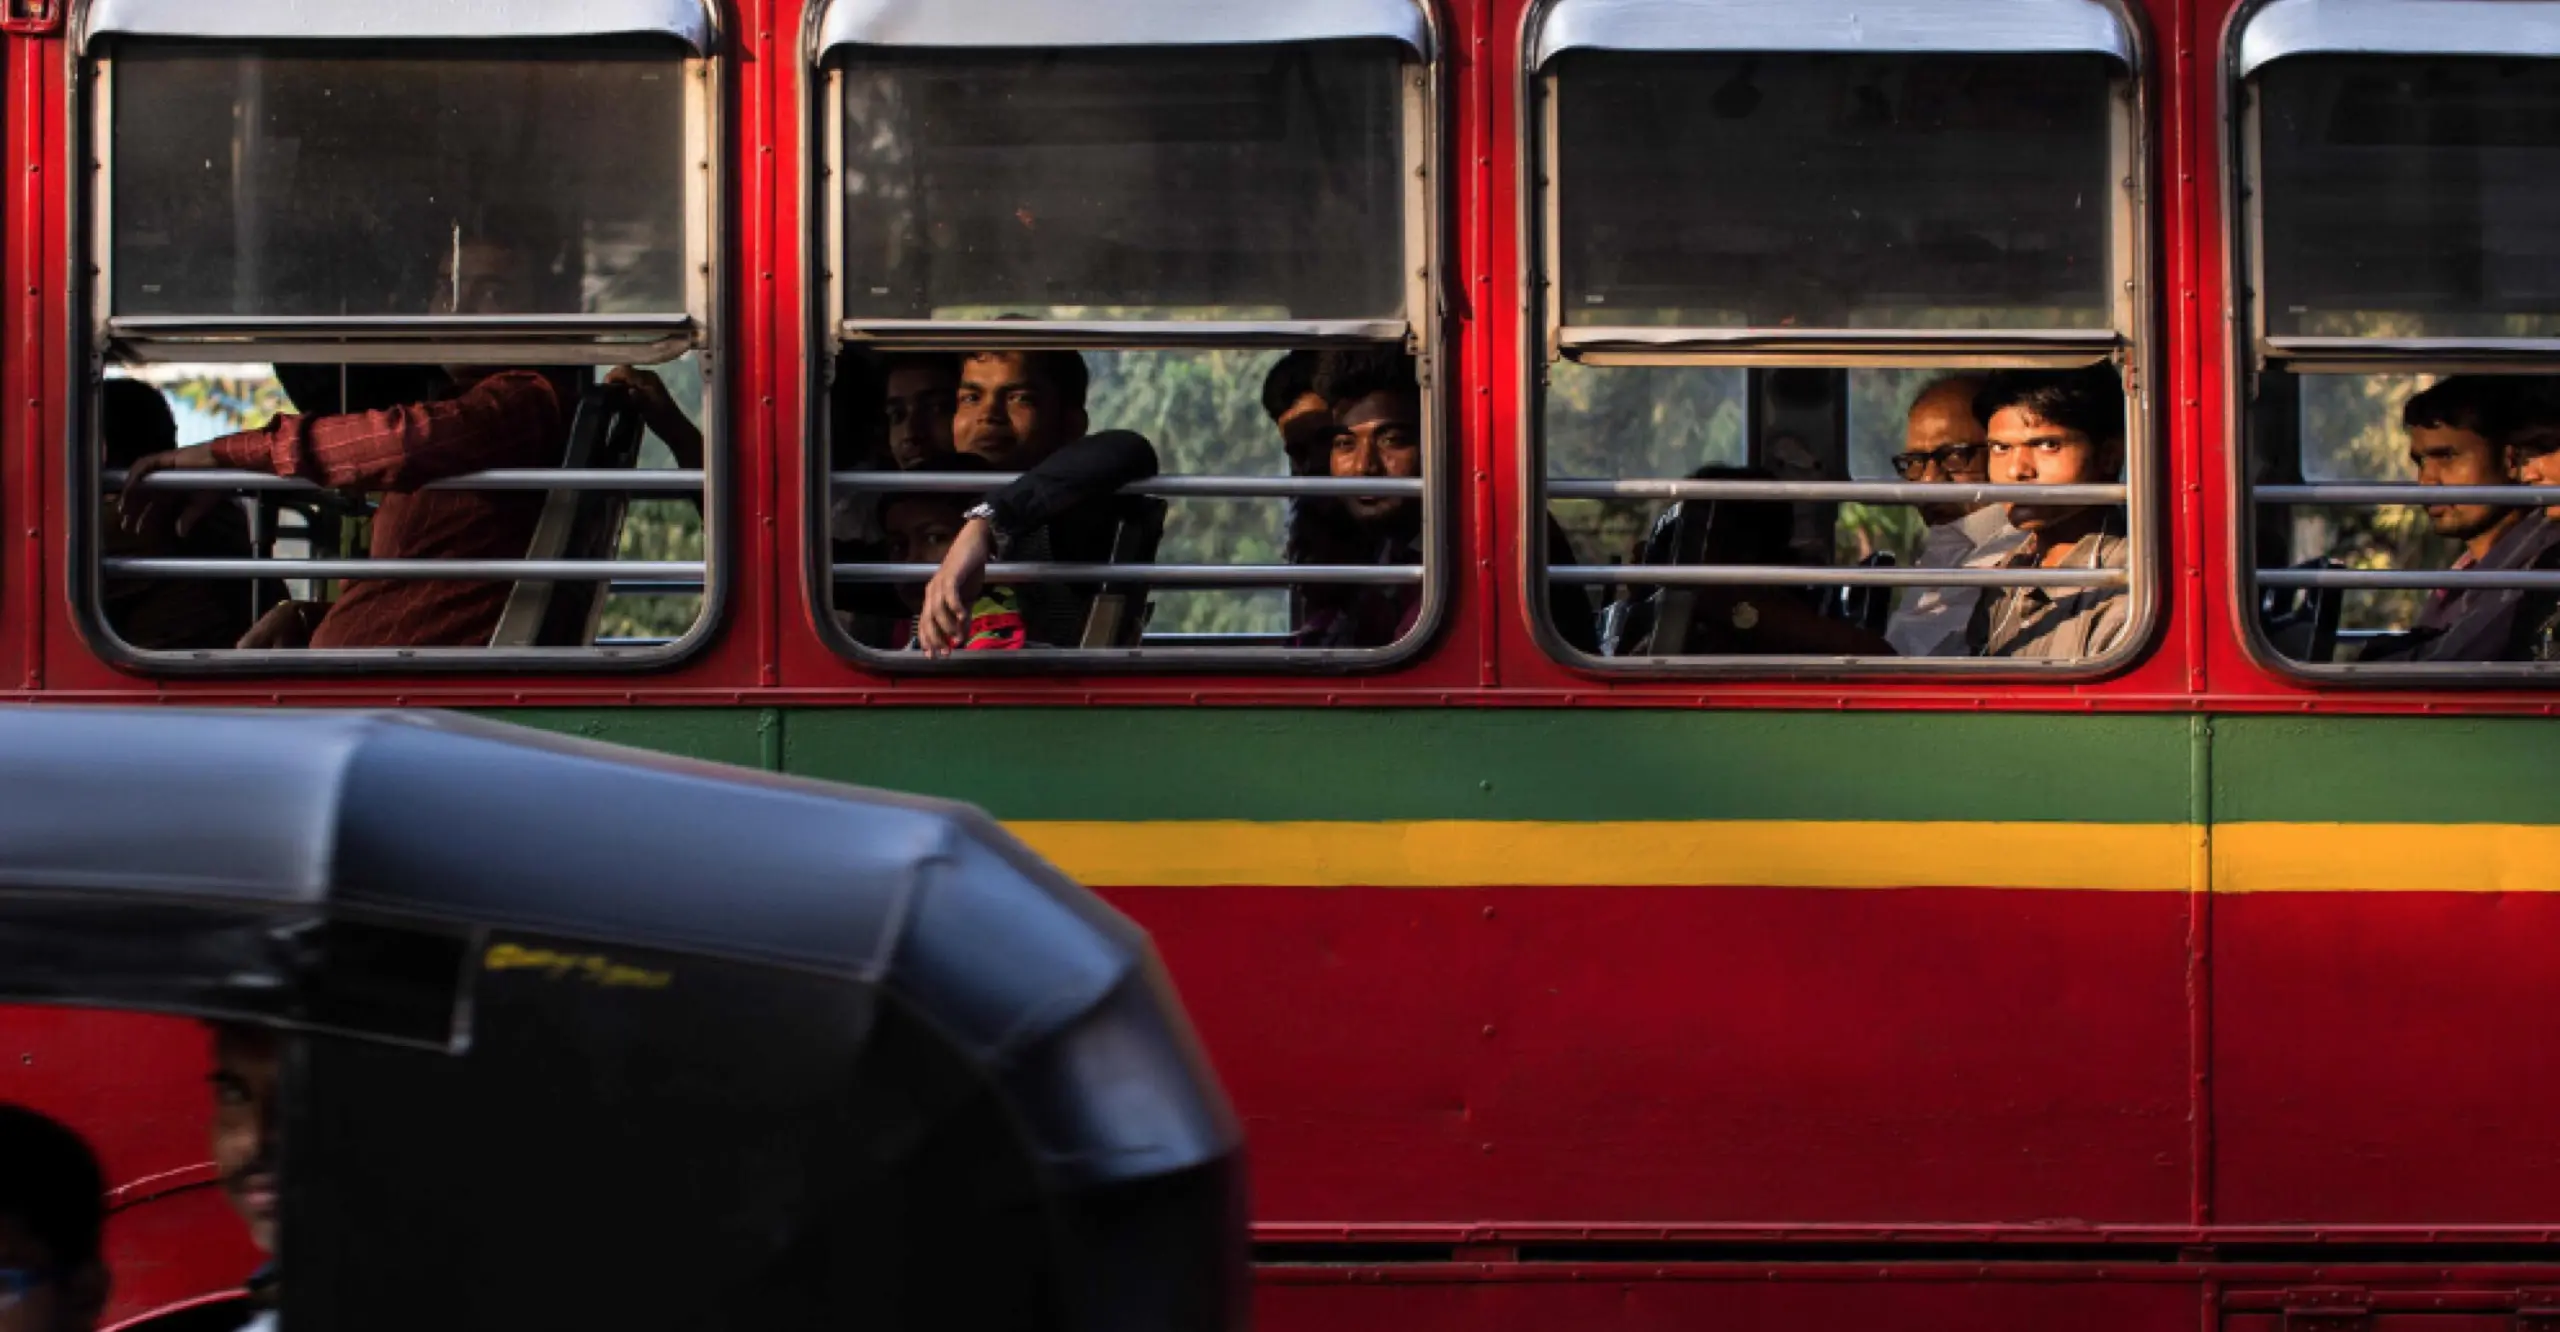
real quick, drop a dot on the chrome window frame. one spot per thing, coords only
(2249, 349)
(1422, 330)
(94, 340)
(2131, 343)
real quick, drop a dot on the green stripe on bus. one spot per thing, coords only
(2386, 770)
(1513, 764)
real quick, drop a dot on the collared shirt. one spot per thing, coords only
(1933, 621)
(2480, 623)
(2053, 624)
(511, 419)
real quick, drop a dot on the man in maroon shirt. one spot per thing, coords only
(485, 419)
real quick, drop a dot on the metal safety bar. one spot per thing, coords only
(1874, 492)
(2407, 494)
(2420, 580)
(1187, 487)
(1155, 575)
(463, 571)
(646, 481)
(1802, 575)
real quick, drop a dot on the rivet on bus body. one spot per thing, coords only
(1488, 1031)
(1488, 913)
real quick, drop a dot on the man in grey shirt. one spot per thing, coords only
(1943, 443)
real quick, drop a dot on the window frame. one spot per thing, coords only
(98, 338)
(2346, 28)
(2131, 343)
(1422, 332)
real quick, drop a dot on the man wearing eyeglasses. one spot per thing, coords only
(53, 1277)
(1944, 444)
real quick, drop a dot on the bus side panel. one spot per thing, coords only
(1650, 1056)
(134, 1087)
(1643, 1298)
(2384, 933)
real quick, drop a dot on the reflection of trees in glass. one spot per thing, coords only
(238, 401)
(1625, 422)
(2351, 432)
(1203, 412)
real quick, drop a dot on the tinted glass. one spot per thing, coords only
(2411, 198)
(253, 183)
(1938, 192)
(1218, 183)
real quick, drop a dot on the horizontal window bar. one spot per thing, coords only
(623, 481)
(2077, 345)
(2308, 347)
(1157, 575)
(2407, 494)
(2413, 579)
(1805, 575)
(1187, 640)
(1192, 487)
(457, 327)
(629, 587)
(468, 571)
(1873, 492)
(1086, 334)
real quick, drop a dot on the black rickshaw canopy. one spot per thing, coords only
(592, 1037)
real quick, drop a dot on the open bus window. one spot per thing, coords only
(407, 347)
(1237, 184)
(2404, 322)
(1886, 162)
(1169, 233)
(1837, 341)
(274, 564)
(1171, 466)
(254, 181)
(1780, 452)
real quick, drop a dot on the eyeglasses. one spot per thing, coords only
(17, 1282)
(1948, 458)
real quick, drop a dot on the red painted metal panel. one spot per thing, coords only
(2385, 1059)
(1635, 1301)
(1740, 1056)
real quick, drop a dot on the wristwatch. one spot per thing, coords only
(977, 511)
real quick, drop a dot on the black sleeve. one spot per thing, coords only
(1569, 606)
(1092, 468)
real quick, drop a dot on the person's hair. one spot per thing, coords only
(1292, 377)
(1063, 371)
(134, 422)
(1348, 376)
(2088, 400)
(941, 363)
(51, 1183)
(2485, 405)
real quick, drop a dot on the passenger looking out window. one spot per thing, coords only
(919, 401)
(169, 614)
(2482, 430)
(53, 1275)
(482, 418)
(1025, 412)
(1944, 443)
(1374, 431)
(921, 528)
(2055, 429)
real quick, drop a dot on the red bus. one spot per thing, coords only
(1635, 855)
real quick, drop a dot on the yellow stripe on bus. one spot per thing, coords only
(1457, 853)
(2105, 857)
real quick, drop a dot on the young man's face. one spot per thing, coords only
(1378, 436)
(2535, 459)
(921, 529)
(922, 398)
(35, 1295)
(2027, 450)
(1009, 415)
(246, 1124)
(2453, 456)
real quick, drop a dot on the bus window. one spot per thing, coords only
(1841, 345)
(471, 283)
(2405, 322)
(1090, 302)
